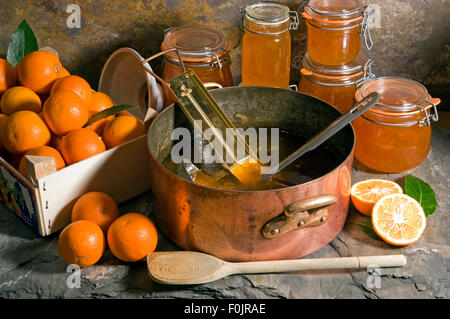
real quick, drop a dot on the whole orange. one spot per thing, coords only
(38, 70)
(8, 76)
(100, 101)
(24, 130)
(81, 243)
(75, 84)
(45, 151)
(64, 111)
(122, 129)
(97, 207)
(80, 144)
(19, 98)
(131, 237)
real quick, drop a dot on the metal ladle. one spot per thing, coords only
(346, 118)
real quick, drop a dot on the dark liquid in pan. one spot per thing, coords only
(310, 166)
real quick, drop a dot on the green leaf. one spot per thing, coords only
(422, 192)
(108, 112)
(366, 226)
(22, 42)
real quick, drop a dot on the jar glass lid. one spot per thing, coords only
(335, 7)
(268, 12)
(196, 43)
(336, 13)
(395, 93)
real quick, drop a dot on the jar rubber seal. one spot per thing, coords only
(356, 73)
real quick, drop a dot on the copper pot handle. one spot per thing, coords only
(310, 212)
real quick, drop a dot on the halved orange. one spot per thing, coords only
(398, 219)
(366, 193)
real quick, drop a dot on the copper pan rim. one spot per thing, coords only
(192, 184)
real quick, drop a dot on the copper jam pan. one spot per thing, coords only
(274, 224)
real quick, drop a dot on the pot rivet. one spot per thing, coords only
(275, 231)
(323, 219)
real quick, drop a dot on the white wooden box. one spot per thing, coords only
(122, 172)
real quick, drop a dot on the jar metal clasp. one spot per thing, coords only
(369, 12)
(295, 21)
(217, 64)
(426, 121)
(367, 75)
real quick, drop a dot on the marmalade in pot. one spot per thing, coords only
(310, 166)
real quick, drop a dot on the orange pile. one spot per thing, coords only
(42, 104)
(95, 215)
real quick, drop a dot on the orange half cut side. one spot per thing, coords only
(366, 193)
(398, 219)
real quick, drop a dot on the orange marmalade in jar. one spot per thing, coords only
(203, 49)
(334, 85)
(395, 134)
(334, 30)
(266, 44)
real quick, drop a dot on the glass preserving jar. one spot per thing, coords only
(395, 134)
(266, 44)
(334, 85)
(334, 30)
(203, 49)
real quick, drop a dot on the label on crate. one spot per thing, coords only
(18, 198)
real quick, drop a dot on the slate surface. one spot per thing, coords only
(30, 266)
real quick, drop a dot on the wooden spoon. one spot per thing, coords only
(187, 267)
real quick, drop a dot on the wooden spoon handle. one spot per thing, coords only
(318, 264)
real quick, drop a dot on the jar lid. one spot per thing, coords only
(335, 7)
(339, 75)
(395, 94)
(400, 99)
(334, 12)
(268, 12)
(196, 43)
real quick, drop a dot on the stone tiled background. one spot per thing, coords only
(413, 40)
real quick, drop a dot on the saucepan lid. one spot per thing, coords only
(126, 82)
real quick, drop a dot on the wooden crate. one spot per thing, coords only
(45, 203)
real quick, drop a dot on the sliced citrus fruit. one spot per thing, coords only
(398, 219)
(365, 194)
